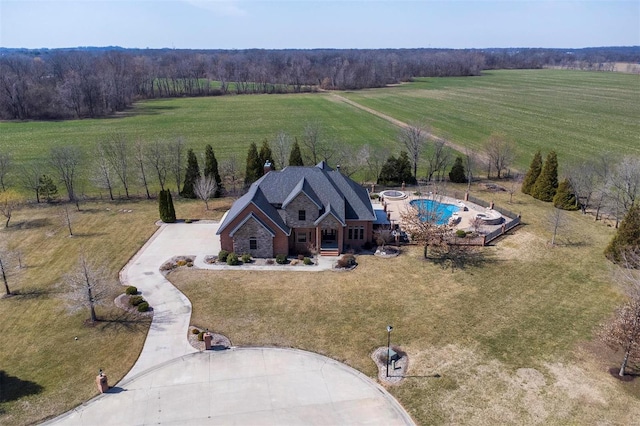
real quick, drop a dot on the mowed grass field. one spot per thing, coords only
(580, 114)
(513, 339)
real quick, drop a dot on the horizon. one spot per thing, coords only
(318, 24)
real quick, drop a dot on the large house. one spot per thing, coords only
(297, 210)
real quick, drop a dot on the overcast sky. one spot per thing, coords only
(207, 24)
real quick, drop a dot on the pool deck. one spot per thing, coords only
(396, 207)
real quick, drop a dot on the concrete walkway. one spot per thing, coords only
(173, 383)
(248, 386)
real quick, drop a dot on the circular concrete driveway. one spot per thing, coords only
(244, 386)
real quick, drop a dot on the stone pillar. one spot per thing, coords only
(491, 205)
(102, 383)
(207, 340)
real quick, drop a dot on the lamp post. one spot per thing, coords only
(389, 328)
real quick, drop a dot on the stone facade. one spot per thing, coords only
(301, 202)
(253, 229)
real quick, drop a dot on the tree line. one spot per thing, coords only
(75, 83)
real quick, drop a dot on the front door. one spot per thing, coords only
(329, 237)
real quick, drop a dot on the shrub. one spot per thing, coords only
(143, 307)
(222, 255)
(246, 258)
(281, 259)
(201, 336)
(301, 257)
(181, 262)
(232, 259)
(269, 262)
(347, 261)
(187, 221)
(131, 290)
(460, 233)
(307, 261)
(189, 264)
(374, 196)
(195, 331)
(135, 300)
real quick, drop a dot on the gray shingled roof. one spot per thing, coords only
(325, 186)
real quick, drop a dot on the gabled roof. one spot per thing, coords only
(256, 197)
(302, 187)
(332, 212)
(257, 219)
(329, 189)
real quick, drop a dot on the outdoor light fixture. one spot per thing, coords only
(389, 328)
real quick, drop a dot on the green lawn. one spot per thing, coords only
(228, 123)
(579, 114)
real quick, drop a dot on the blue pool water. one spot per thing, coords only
(433, 210)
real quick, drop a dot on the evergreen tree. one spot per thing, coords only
(565, 197)
(253, 168)
(165, 205)
(211, 169)
(532, 175)
(265, 155)
(295, 157)
(389, 172)
(627, 237)
(191, 175)
(547, 183)
(397, 170)
(405, 173)
(46, 188)
(457, 173)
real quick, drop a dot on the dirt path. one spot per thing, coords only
(403, 125)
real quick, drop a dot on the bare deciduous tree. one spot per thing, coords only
(383, 237)
(176, 160)
(140, 157)
(625, 181)
(311, 141)
(66, 218)
(414, 139)
(158, 158)
(117, 153)
(30, 179)
(87, 287)
(102, 177)
(513, 186)
(500, 152)
(5, 165)
(232, 171)
(281, 148)
(66, 161)
(438, 160)
(556, 221)
(10, 201)
(375, 159)
(204, 188)
(470, 162)
(3, 262)
(584, 180)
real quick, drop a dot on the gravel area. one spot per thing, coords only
(396, 376)
(122, 302)
(218, 342)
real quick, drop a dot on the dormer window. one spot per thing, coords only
(302, 215)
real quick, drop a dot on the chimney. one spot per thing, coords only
(267, 167)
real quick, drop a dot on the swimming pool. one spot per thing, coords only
(433, 210)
